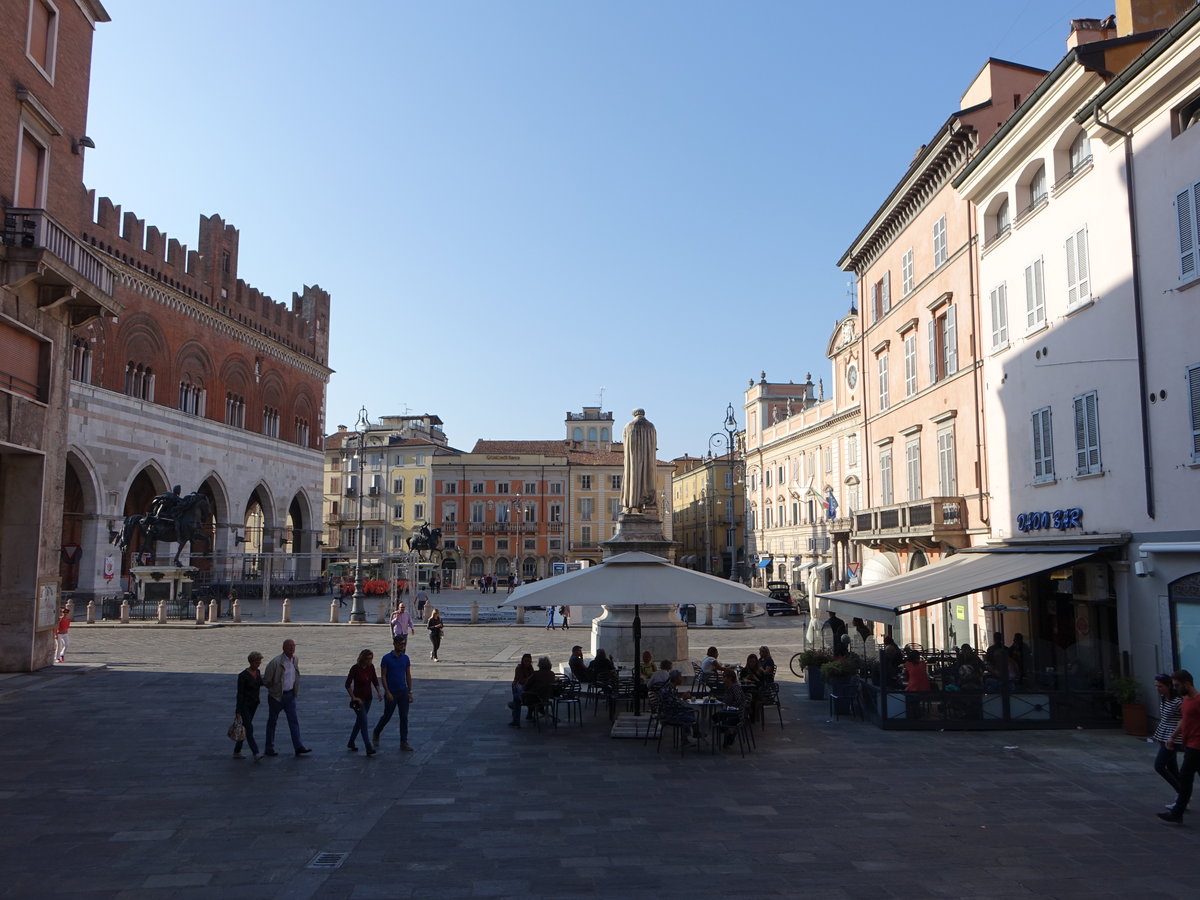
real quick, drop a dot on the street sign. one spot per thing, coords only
(852, 569)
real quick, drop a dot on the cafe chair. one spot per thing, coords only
(768, 695)
(568, 697)
(732, 722)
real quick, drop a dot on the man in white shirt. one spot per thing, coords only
(282, 681)
(402, 623)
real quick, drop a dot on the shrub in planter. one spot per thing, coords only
(841, 668)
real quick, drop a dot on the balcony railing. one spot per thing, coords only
(931, 517)
(584, 545)
(36, 229)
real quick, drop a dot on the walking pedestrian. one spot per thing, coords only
(435, 626)
(1186, 732)
(549, 617)
(397, 690)
(249, 684)
(422, 602)
(402, 623)
(61, 637)
(564, 613)
(1166, 763)
(360, 681)
(282, 681)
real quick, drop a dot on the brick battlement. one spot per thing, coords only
(209, 276)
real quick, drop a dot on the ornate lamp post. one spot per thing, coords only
(729, 431)
(358, 612)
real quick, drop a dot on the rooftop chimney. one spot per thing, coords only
(1136, 16)
(1087, 31)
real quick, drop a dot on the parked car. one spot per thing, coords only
(779, 600)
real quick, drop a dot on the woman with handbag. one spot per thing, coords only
(359, 682)
(435, 626)
(249, 682)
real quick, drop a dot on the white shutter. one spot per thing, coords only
(999, 300)
(1081, 252)
(933, 351)
(1035, 296)
(1043, 447)
(1186, 214)
(1194, 395)
(1072, 275)
(951, 340)
(1087, 434)
(1093, 432)
(1037, 447)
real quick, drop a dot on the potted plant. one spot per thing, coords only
(1126, 690)
(841, 669)
(812, 661)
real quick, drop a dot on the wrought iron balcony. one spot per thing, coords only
(932, 518)
(68, 274)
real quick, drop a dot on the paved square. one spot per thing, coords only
(120, 783)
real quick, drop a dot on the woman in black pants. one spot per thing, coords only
(248, 684)
(435, 627)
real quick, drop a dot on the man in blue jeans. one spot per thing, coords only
(397, 689)
(282, 681)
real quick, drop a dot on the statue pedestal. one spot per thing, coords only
(157, 583)
(641, 532)
(663, 634)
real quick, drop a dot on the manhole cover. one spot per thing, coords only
(328, 861)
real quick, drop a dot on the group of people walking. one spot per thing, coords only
(392, 684)
(402, 624)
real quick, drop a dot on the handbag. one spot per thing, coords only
(237, 731)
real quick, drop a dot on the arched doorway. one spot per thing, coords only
(72, 531)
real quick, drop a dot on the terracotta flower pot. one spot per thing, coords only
(1133, 718)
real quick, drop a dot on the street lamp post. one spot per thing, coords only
(734, 615)
(358, 612)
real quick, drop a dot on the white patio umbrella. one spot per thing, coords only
(632, 579)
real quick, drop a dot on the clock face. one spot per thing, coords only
(852, 377)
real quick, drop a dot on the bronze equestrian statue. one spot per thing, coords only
(426, 539)
(172, 518)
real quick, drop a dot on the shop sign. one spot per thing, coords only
(1062, 519)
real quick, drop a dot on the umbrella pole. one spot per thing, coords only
(637, 660)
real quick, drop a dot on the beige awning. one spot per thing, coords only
(963, 573)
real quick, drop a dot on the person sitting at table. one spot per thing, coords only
(916, 673)
(539, 687)
(656, 681)
(969, 668)
(766, 664)
(890, 659)
(521, 675)
(999, 670)
(673, 709)
(579, 668)
(602, 668)
(646, 669)
(710, 666)
(735, 702)
(751, 673)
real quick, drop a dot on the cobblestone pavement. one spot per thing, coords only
(118, 782)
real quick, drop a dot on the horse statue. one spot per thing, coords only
(171, 518)
(426, 540)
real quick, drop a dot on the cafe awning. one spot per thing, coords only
(764, 562)
(964, 573)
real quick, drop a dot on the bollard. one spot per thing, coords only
(214, 611)
(708, 614)
(124, 612)
(287, 610)
(520, 615)
(333, 613)
(236, 612)
(162, 612)
(199, 612)
(474, 612)
(91, 612)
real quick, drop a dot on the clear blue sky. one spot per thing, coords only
(514, 204)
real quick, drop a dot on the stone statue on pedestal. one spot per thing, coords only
(638, 487)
